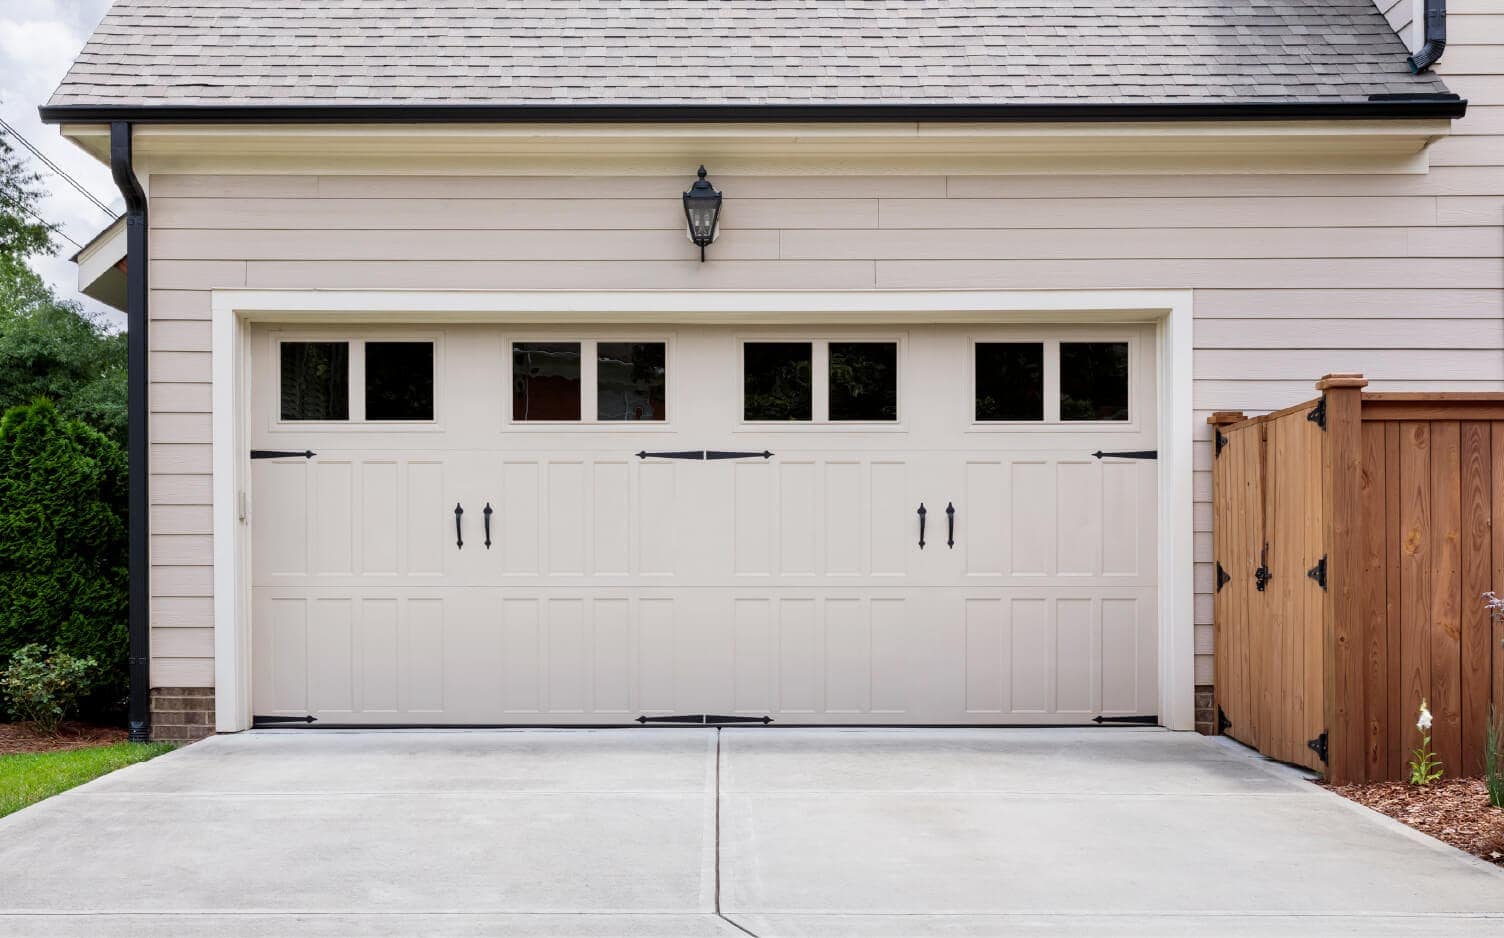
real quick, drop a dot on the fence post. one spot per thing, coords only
(1342, 621)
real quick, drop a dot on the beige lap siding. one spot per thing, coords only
(1397, 276)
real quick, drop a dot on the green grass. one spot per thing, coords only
(29, 777)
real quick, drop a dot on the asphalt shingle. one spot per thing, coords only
(709, 52)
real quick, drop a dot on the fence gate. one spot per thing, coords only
(1268, 531)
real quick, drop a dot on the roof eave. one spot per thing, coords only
(1448, 106)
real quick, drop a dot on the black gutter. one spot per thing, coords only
(138, 615)
(1374, 107)
(1436, 37)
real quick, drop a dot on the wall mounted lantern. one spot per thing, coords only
(702, 209)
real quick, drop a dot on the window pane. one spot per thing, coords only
(399, 380)
(545, 381)
(863, 381)
(315, 381)
(630, 381)
(1010, 381)
(1093, 380)
(776, 381)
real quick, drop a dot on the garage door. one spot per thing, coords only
(501, 525)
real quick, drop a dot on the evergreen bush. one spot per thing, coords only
(63, 572)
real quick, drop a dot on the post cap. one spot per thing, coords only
(1342, 379)
(1221, 418)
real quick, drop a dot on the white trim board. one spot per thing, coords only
(1170, 309)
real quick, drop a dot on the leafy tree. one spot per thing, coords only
(63, 572)
(51, 348)
(21, 231)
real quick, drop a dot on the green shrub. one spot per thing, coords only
(63, 573)
(43, 689)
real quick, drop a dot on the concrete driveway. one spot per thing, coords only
(1121, 832)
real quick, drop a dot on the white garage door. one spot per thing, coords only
(595, 525)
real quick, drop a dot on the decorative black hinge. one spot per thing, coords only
(1223, 723)
(1318, 746)
(1222, 441)
(723, 454)
(703, 719)
(1318, 413)
(1150, 719)
(281, 453)
(1130, 454)
(1222, 577)
(1318, 572)
(1263, 574)
(679, 454)
(257, 721)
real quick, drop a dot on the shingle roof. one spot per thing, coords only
(753, 52)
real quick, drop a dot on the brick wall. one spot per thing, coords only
(182, 714)
(1206, 710)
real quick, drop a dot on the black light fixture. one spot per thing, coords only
(702, 209)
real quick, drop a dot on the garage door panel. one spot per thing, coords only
(614, 586)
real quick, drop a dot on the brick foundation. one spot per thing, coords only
(1206, 710)
(182, 714)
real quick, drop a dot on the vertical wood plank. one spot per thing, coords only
(1315, 653)
(1477, 573)
(1446, 593)
(1393, 603)
(1415, 574)
(1372, 598)
(1496, 646)
(1342, 618)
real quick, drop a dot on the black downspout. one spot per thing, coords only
(138, 616)
(1436, 37)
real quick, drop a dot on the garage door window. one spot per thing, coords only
(1009, 381)
(1093, 380)
(399, 380)
(776, 381)
(315, 380)
(631, 381)
(864, 381)
(545, 381)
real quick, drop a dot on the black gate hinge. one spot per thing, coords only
(1261, 577)
(1222, 577)
(1318, 413)
(1148, 719)
(1222, 441)
(1223, 723)
(1318, 572)
(263, 721)
(1318, 746)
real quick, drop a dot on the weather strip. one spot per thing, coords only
(718, 913)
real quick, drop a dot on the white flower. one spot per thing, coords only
(1424, 723)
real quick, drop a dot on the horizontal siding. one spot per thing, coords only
(1399, 276)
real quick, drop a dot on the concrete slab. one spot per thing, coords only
(833, 833)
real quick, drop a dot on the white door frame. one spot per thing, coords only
(1169, 309)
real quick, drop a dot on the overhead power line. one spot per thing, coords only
(56, 169)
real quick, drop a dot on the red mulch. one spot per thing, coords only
(1454, 810)
(20, 737)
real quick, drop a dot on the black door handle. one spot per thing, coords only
(459, 536)
(950, 521)
(487, 513)
(922, 513)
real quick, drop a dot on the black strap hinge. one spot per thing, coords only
(1222, 441)
(703, 719)
(260, 721)
(1130, 454)
(1148, 719)
(281, 453)
(1223, 723)
(1318, 413)
(1222, 577)
(1318, 572)
(1318, 746)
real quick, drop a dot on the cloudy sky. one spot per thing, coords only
(38, 40)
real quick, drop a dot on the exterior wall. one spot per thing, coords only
(1407, 17)
(182, 714)
(1395, 276)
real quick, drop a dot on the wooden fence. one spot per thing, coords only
(1354, 536)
